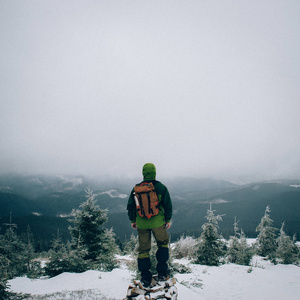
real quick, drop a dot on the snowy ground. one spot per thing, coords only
(229, 281)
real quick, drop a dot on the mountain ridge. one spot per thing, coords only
(35, 199)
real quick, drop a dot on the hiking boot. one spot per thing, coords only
(144, 266)
(145, 283)
(161, 277)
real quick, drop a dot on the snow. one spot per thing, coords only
(216, 201)
(114, 194)
(262, 280)
(103, 281)
(36, 214)
(64, 215)
(231, 281)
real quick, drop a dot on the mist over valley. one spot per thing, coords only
(45, 203)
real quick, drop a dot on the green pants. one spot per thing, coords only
(144, 235)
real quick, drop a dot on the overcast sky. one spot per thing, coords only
(199, 88)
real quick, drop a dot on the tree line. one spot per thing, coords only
(92, 246)
(212, 249)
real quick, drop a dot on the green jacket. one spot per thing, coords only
(165, 208)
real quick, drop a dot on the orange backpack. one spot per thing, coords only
(146, 199)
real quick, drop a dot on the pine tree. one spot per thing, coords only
(297, 250)
(13, 249)
(211, 248)
(287, 250)
(131, 245)
(246, 252)
(32, 268)
(12, 262)
(238, 251)
(4, 261)
(106, 258)
(89, 231)
(65, 259)
(4, 266)
(266, 239)
(185, 247)
(234, 245)
(58, 250)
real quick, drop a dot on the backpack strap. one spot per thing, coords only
(150, 210)
(142, 206)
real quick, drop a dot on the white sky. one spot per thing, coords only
(200, 88)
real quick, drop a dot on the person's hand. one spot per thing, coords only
(133, 225)
(168, 225)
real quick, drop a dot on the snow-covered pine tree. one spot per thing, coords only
(211, 247)
(234, 244)
(29, 249)
(3, 289)
(246, 251)
(185, 247)
(33, 266)
(57, 253)
(297, 262)
(266, 239)
(6, 294)
(238, 251)
(65, 259)
(12, 248)
(88, 229)
(106, 259)
(131, 245)
(4, 266)
(287, 250)
(12, 260)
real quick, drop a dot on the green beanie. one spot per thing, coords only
(149, 171)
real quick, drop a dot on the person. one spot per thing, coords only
(157, 224)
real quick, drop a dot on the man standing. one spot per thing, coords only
(147, 218)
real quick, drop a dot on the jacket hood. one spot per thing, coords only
(149, 171)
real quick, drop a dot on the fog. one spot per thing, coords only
(199, 88)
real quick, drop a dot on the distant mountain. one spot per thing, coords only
(35, 186)
(59, 204)
(15, 204)
(54, 195)
(46, 202)
(194, 189)
(247, 204)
